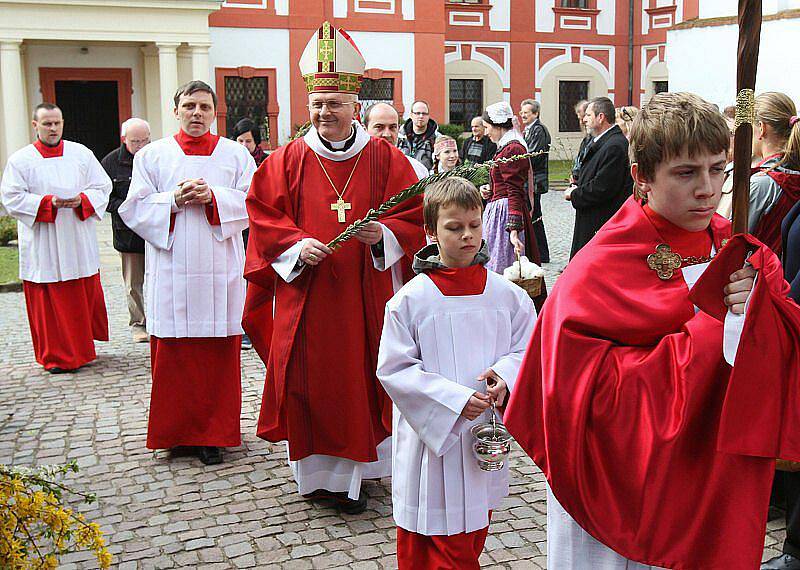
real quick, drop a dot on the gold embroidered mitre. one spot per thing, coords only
(331, 62)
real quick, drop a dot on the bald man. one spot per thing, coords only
(135, 134)
(383, 121)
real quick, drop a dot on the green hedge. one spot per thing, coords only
(8, 229)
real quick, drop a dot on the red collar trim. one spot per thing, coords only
(203, 145)
(460, 282)
(50, 151)
(767, 159)
(683, 242)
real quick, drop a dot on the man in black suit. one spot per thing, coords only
(537, 138)
(604, 182)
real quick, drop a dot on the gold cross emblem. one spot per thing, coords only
(664, 261)
(340, 207)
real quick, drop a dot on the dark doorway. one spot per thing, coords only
(91, 113)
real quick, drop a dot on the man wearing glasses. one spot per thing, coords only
(118, 164)
(320, 344)
(419, 134)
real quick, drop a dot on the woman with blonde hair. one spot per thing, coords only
(625, 117)
(775, 184)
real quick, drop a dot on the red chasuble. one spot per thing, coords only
(66, 317)
(321, 393)
(627, 405)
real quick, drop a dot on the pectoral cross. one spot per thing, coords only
(664, 261)
(340, 207)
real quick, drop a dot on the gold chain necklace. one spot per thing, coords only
(340, 206)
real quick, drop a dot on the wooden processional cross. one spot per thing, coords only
(746, 66)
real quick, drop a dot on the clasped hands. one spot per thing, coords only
(66, 202)
(314, 251)
(193, 191)
(496, 391)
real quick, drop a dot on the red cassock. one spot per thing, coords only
(648, 438)
(455, 552)
(321, 393)
(66, 317)
(196, 398)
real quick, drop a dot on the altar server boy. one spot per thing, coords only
(452, 344)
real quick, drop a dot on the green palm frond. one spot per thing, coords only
(478, 174)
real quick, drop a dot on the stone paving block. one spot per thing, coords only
(164, 510)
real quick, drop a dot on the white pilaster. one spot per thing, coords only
(14, 109)
(201, 68)
(152, 90)
(168, 85)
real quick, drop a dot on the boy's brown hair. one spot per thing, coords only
(452, 191)
(671, 123)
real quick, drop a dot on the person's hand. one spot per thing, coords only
(370, 234)
(738, 290)
(496, 387)
(193, 191)
(202, 193)
(66, 202)
(568, 192)
(314, 251)
(476, 405)
(486, 191)
(513, 237)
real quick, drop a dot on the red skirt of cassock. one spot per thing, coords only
(456, 552)
(196, 397)
(66, 317)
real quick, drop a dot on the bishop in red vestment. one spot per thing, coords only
(321, 393)
(57, 191)
(656, 410)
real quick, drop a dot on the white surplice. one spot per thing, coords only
(338, 474)
(193, 275)
(569, 547)
(433, 348)
(67, 248)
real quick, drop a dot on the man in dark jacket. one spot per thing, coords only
(478, 148)
(419, 134)
(119, 166)
(537, 139)
(604, 182)
(787, 483)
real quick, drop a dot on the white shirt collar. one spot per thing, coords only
(312, 139)
(601, 134)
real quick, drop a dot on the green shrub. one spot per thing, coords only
(455, 131)
(8, 229)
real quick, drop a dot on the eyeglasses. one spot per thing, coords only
(332, 106)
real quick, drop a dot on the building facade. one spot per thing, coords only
(103, 61)
(717, 28)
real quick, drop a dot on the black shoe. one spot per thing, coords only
(340, 500)
(211, 455)
(247, 344)
(782, 562)
(58, 370)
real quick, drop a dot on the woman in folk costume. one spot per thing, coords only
(507, 219)
(453, 340)
(445, 154)
(775, 184)
(320, 344)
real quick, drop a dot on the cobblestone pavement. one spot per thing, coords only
(162, 512)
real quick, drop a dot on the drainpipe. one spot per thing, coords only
(631, 7)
